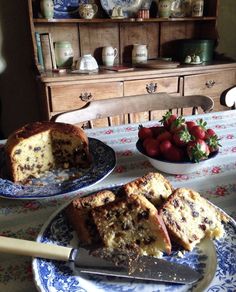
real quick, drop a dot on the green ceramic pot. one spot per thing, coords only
(202, 48)
(64, 54)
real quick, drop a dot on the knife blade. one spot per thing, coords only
(131, 265)
(90, 262)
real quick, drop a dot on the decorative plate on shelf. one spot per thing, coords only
(215, 261)
(129, 7)
(62, 182)
(67, 8)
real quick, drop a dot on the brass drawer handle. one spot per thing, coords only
(210, 83)
(151, 87)
(86, 96)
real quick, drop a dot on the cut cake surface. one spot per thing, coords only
(190, 217)
(132, 223)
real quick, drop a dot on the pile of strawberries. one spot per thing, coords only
(178, 140)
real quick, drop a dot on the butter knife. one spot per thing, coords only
(97, 262)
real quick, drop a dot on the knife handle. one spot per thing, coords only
(34, 249)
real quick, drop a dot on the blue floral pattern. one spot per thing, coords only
(51, 186)
(59, 276)
(67, 8)
(129, 7)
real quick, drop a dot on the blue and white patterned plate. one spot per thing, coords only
(129, 7)
(59, 183)
(215, 261)
(67, 8)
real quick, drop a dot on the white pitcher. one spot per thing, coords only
(108, 55)
(139, 54)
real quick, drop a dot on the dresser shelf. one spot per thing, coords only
(65, 91)
(107, 20)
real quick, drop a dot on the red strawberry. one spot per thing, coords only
(177, 125)
(213, 143)
(167, 119)
(146, 141)
(164, 136)
(199, 131)
(190, 124)
(164, 146)
(157, 130)
(210, 133)
(197, 150)
(144, 133)
(152, 148)
(181, 138)
(174, 154)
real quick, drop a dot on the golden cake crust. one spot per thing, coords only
(190, 217)
(27, 134)
(132, 222)
(154, 186)
(79, 215)
(31, 129)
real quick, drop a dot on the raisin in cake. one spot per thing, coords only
(154, 186)
(41, 146)
(189, 218)
(133, 223)
(79, 215)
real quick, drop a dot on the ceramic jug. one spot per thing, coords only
(139, 54)
(87, 11)
(47, 8)
(64, 54)
(108, 55)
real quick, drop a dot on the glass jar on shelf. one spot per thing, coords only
(197, 8)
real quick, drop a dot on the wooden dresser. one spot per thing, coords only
(67, 91)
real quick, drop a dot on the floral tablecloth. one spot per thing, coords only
(216, 182)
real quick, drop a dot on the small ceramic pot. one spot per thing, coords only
(87, 63)
(87, 11)
(64, 54)
(139, 54)
(164, 8)
(108, 55)
(47, 8)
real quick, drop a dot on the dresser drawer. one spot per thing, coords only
(211, 84)
(69, 97)
(146, 86)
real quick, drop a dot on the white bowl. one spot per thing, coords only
(175, 167)
(87, 63)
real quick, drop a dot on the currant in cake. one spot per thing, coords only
(133, 223)
(79, 215)
(190, 217)
(41, 146)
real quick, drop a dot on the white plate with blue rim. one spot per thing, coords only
(129, 7)
(58, 183)
(214, 260)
